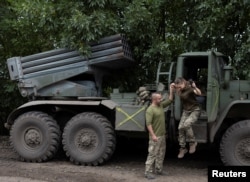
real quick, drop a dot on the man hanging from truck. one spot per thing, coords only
(191, 111)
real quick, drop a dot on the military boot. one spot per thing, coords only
(192, 147)
(182, 152)
(149, 176)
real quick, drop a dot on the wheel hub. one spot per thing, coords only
(32, 138)
(243, 150)
(247, 151)
(86, 140)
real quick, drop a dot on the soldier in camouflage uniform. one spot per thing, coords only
(155, 121)
(191, 111)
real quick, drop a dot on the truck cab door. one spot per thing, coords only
(213, 88)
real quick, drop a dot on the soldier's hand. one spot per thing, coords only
(172, 86)
(154, 138)
(193, 84)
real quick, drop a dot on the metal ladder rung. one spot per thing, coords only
(162, 73)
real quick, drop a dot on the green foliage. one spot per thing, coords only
(225, 25)
(43, 25)
(146, 23)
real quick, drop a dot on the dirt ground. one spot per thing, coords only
(127, 164)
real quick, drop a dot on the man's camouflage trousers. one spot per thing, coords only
(156, 155)
(185, 126)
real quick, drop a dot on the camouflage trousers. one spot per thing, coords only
(156, 155)
(185, 126)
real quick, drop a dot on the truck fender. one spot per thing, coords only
(29, 105)
(215, 127)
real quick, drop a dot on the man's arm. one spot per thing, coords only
(170, 97)
(171, 91)
(151, 132)
(149, 118)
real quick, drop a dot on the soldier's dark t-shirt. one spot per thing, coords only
(188, 99)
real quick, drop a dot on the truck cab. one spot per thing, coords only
(206, 70)
(224, 102)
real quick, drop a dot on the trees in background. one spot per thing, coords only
(157, 30)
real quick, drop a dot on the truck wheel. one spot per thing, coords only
(89, 139)
(235, 144)
(35, 137)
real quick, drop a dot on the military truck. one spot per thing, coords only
(66, 106)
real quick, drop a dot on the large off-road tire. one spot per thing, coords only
(35, 137)
(235, 145)
(89, 139)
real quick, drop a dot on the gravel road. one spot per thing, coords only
(127, 164)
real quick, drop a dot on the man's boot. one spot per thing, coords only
(182, 152)
(149, 176)
(192, 147)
